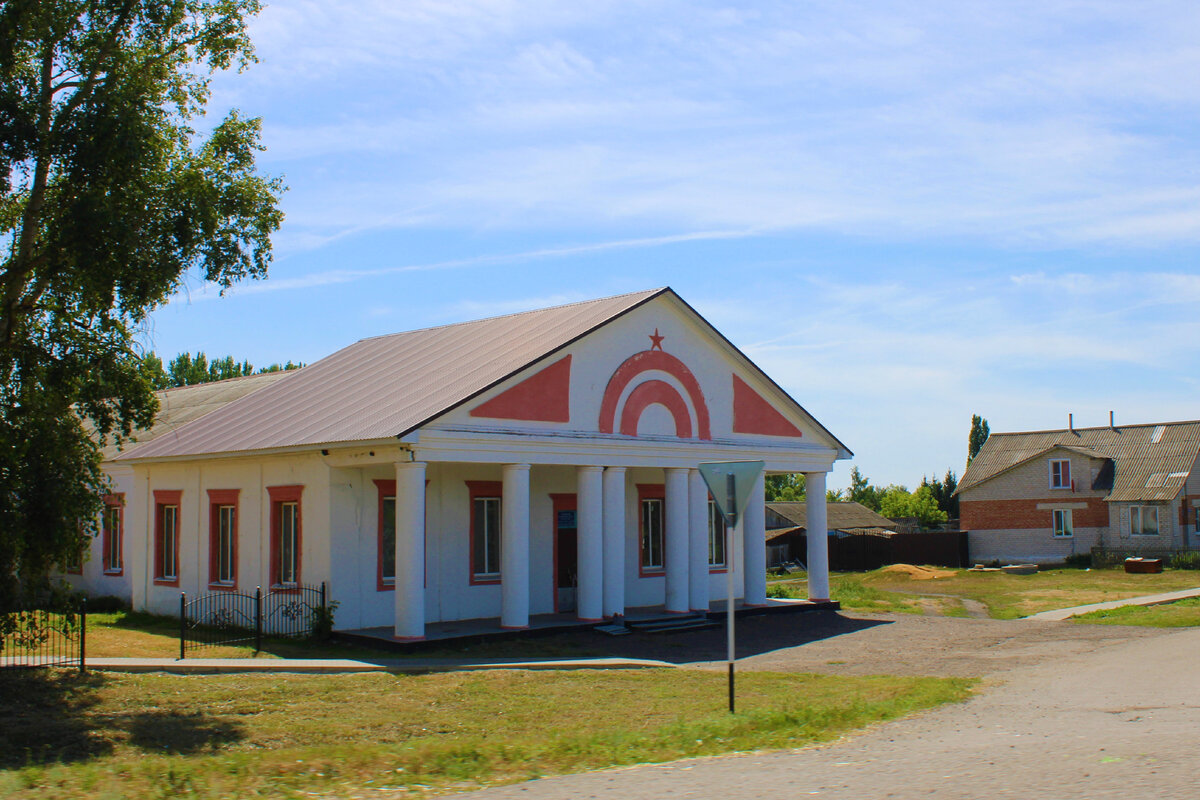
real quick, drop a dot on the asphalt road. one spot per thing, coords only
(1119, 718)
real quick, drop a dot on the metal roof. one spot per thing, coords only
(180, 405)
(1150, 462)
(387, 386)
(840, 516)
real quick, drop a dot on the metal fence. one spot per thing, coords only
(44, 637)
(226, 618)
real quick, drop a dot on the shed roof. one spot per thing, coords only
(840, 516)
(1150, 462)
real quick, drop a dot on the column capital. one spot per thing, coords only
(615, 470)
(516, 468)
(587, 468)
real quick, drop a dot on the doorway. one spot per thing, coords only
(566, 553)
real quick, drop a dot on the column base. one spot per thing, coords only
(589, 619)
(818, 599)
(408, 638)
(677, 611)
(514, 627)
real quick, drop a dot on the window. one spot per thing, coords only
(222, 538)
(166, 537)
(1060, 473)
(112, 534)
(716, 536)
(1062, 522)
(385, 573)
(650, 528)
(1143, 520)
(285, 535)
(486, 533)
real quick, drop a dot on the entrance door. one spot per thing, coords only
(566, 559)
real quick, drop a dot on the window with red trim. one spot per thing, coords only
(485, 530)
(385, 572)
(222, 538)
(716, 537)
(166, 537)
(285, 535)
(1060, 473)
(651, 517)
(112, 534)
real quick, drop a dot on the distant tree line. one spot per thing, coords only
(187, 370)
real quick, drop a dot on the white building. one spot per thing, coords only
(527, 464)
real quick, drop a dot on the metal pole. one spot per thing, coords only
(733, 514)
(83, 635)
(182, 624)
(257, 619)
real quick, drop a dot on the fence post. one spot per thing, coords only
(257, 619)
(323, 617)
(83, 635)
(182, 625)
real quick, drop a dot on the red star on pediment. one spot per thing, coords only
(656, 340)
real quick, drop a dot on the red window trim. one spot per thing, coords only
(216, 499)
(652, 491)
(162, 499)
(1065, 474)
(278, 495)
(115, 499)
(386, 487)
(477, 489)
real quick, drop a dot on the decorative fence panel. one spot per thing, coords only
(224, 618)
(44, 637)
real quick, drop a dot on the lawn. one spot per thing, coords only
(149, 736)
(1003, 595)
(1180, 614)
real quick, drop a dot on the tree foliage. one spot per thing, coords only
(188, 370)
(785, 487)
(899, 502)
(861, 491)
(943, 492)
(979, 434)
(108, 197)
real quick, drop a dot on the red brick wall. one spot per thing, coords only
(983, 515)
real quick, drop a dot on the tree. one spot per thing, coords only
(108, 197)
(861, 491)
(899, 502)
(789, 486)
(978, 435)
(943, 492)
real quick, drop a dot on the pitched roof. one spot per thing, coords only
(180, 405)
(386, 386)
(1150, 462)
(840, 516)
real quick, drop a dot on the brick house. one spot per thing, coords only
(1044, 495)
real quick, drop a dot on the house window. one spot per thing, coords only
(650, 528)
(222, 537)
(166, 537)
(1143, 520)
(485, 530)
(1062, 522)
(113, 534)
(387, 540)
(285, 535)
(716, 536)
(1060, 473)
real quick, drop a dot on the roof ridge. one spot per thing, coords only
(1098, 428)
(648, 293)
(223, 380)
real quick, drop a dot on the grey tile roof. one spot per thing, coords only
(386, 386)
(183, 404)
(840, 516)
(1150, 462)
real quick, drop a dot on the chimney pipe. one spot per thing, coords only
(1071, 422)
(1111, 424)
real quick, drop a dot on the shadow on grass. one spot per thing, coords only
(57, 716)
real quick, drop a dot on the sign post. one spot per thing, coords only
(730, 483)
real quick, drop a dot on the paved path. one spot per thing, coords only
(345, 665)
(1059, 614)
(1119, 721)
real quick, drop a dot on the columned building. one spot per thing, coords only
(531, 464)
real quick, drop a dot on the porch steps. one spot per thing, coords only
(675, 623)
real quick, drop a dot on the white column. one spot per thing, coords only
(676, 535)
(410, 550)
(589, 522)
(818, 537)
(697, 541)
(514, 548)
(614, 541)
(754, 545)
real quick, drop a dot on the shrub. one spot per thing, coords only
(783, 591)
(1079, 560)
(107, 604)
(1185, 561)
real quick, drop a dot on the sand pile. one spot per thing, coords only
(919, 573)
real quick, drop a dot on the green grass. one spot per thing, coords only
(151, 736)
(1180, 614)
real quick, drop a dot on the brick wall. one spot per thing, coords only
(1024, 514)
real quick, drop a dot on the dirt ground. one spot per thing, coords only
(852, 643)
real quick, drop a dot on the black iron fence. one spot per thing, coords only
(44, 637)
(227, 618)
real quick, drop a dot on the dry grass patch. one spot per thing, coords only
(151, 736)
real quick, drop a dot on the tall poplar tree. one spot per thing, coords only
(979, 434)
(109, 194)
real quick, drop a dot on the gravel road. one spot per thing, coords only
(1067, 711)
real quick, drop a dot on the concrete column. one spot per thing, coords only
(514, 548)
(754, 545)
(676, 534)
(589, 522)
(817, 526)
(410, 550)
(697, 541)
(614, 541)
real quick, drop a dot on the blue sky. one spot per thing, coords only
(905, 212)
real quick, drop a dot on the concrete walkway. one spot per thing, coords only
(327, 666)
(1060, 614)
